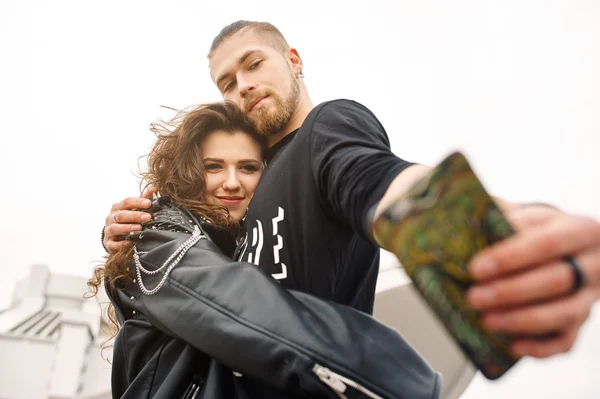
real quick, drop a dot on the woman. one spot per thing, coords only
(195, 324)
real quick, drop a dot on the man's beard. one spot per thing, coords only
(271, 120)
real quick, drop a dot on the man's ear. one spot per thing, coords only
(295, 61)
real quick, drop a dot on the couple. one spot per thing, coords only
(190, 316)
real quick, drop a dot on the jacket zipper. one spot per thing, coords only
(192, 391)
(339, 383)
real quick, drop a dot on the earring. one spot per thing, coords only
(300, 75)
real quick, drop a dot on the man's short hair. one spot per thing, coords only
(275, 37)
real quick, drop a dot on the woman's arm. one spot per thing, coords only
(244, 319)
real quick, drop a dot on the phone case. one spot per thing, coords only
(434, 231)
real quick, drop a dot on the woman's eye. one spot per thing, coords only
(249, 168)
(212, 166)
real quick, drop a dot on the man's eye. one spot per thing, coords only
(254, 65)
(229, 86)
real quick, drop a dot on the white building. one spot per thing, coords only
(50, 341)
(51, 337)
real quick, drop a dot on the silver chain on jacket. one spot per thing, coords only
(170, 263)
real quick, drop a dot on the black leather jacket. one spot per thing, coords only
(213, 319)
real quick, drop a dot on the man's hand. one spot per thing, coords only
(524, 286)
(397, 188)
(123, 219)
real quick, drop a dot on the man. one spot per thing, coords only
(309, 224)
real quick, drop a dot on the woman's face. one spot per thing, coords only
(233, 165)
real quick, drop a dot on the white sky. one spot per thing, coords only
(515, 84)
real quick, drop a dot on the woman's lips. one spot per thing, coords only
(233, 200)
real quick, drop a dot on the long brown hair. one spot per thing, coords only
(176, 171)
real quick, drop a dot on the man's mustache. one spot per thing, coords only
(249, 101)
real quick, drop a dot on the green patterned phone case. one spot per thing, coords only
(434, 231)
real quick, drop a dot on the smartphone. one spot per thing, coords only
(434, 231)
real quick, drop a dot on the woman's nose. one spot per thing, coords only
(231, 183)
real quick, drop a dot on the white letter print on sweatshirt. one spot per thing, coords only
(257, 245)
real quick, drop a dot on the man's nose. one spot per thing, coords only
(245, 86)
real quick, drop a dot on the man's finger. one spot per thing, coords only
(562, 236)
(537, 284)
(546, 281)
(531, 215)
(543, 317)
(149, 193)
(546, 348)
(119, 229)
(114, 246)
(126, 217)
(131, 203)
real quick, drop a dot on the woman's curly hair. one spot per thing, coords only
(176, 171)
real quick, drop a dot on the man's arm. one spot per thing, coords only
(527, 273)
(399, 186)
(352, 162)
(404, 181)
(355, 172)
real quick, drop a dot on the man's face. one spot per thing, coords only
(258, 78)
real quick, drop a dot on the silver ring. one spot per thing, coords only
(577, 273)
(114, 216)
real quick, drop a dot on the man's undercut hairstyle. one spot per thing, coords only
(264, 29)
